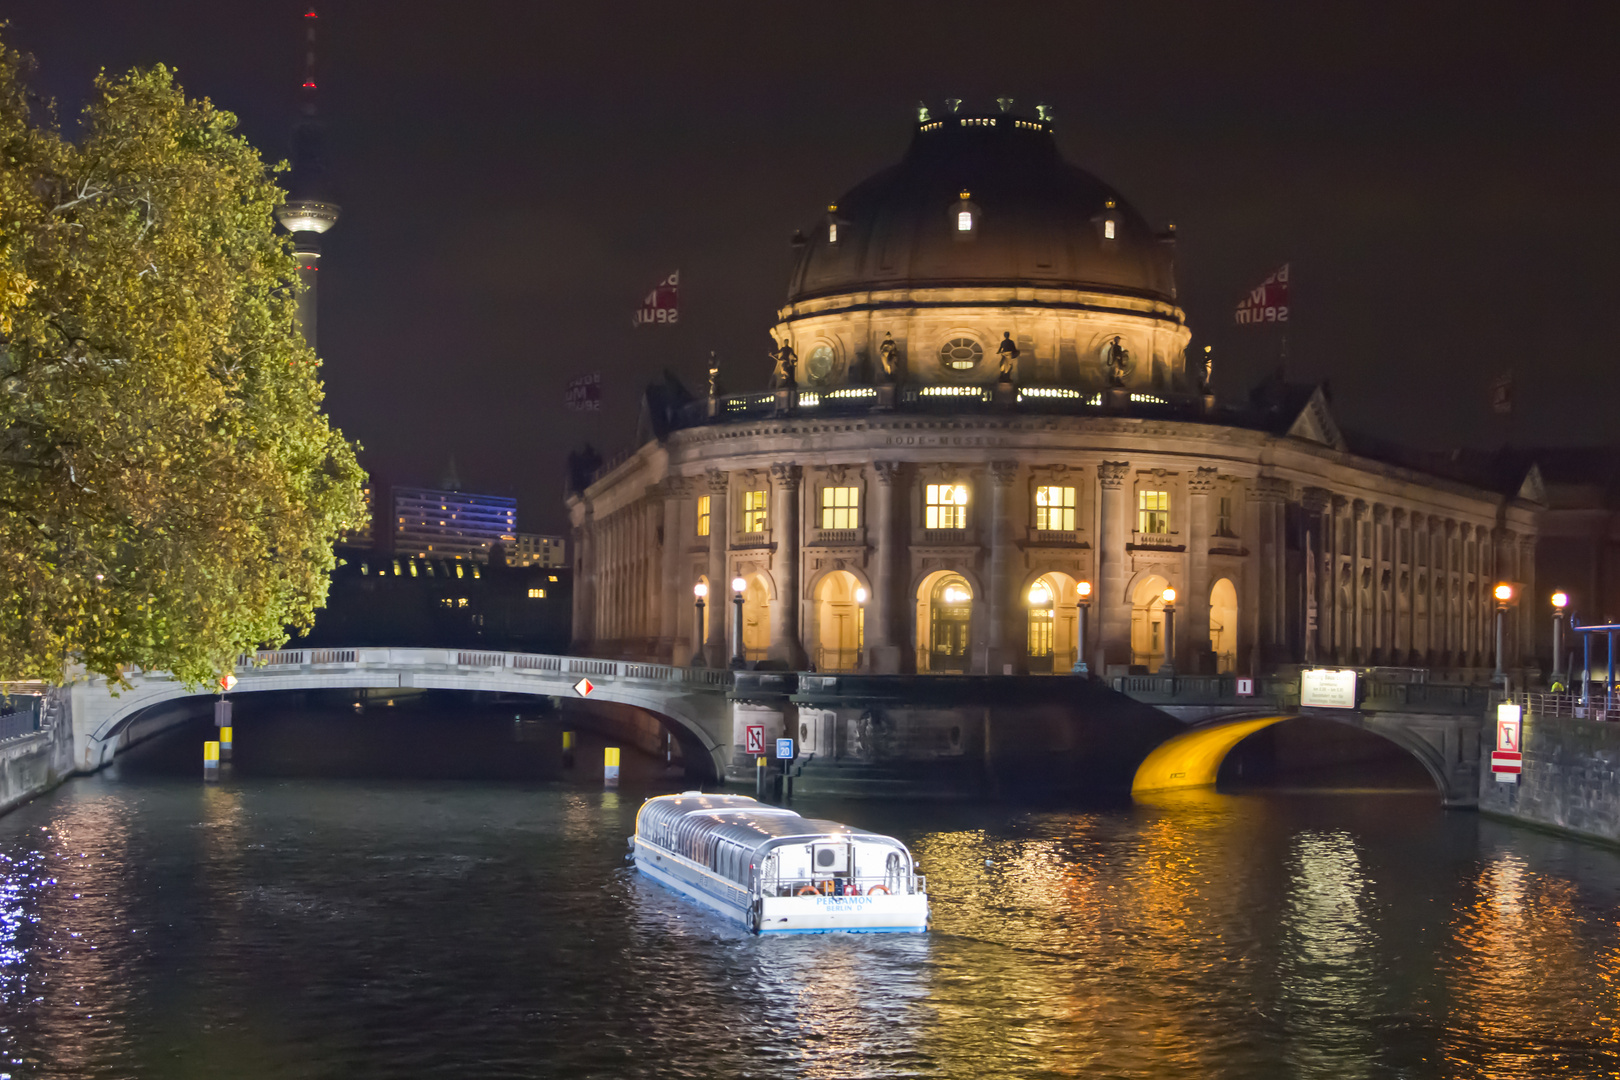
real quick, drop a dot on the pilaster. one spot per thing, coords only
(1193, 643)
(883, 646)
(719, 485)
(1004, 648)
(785, 644)
(1112, 644)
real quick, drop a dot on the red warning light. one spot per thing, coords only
(309, 86)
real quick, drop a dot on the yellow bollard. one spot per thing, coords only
(610, 767)
(210, 761)
(224, 744)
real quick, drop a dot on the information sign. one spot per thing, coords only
(756, 738)
(1245, 688)
(1327, 688)
(784, 749)
(1508, 719)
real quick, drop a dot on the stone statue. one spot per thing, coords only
(714, 375)
(1118, 363)
(1206, 373)
(1007, 352)
(786, 361)
(889, 356)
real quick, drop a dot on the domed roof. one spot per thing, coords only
(1033, 220)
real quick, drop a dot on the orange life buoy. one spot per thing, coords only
(878, 888)
(809, 890)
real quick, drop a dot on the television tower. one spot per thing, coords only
(309, 210)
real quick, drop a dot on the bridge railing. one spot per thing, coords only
(1599, 705)
(282, 660)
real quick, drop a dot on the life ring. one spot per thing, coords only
(884, 889)
(809, 890)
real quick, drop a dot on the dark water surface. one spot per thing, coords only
(289, 924)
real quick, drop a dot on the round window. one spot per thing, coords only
(961, 354)
(820, 363)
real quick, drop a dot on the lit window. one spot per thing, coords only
(961, 354)
(1223, 519)
(753, 512)
(947, 506)
(1108, 229)
(461, 601)
(1153, 512)
(964, 221)
(840, 507)
(538, 594)
(703, 515)
(551, 577)
(832, 232)
(447, 602)
(1054, 509)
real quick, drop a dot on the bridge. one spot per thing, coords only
(901, 734)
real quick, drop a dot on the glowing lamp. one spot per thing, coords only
(1503, 593)
(1084, 589)
(1039, 595)
(955, 594)
(738, 584)
(1560, 600)
(1169, 596)
(860, 596)
(964, 221)
(700, 590)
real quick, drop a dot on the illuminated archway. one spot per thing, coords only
(1147, 622)
(1049, 602)
(1223, 624)
(756, 636)
(839, 621)
(944, 622)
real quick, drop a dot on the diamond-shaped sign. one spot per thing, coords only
(227, 681)
(584, 687)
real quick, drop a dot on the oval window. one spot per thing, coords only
(820, 363)
(961, 354)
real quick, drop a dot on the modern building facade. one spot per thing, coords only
(533, 549)
(432, 522)
(987, 452)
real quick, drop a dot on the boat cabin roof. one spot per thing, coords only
(743, 820)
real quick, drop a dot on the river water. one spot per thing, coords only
(318, 916)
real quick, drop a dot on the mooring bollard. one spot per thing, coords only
(759, 777)
(210, 761)
(224, 744)
(222, 713)
(610, 767)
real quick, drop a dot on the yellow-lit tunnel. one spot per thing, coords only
(1193, 758)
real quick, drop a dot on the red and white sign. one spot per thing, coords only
(227, 681)
(584, 687)
(756, 738)
(1245, 687)
(1267, 302)
(1508, 722)
(662, 306)
(584, 394)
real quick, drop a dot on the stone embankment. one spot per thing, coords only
(1570, 782)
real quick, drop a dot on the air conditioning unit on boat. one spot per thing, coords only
(830, 858)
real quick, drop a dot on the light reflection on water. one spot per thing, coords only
(274, 928)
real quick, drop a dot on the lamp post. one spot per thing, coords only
(1503, 594)
(737, 658)
(860, 623)
(1169, 665)
(1560, 600)
(699, 591)
(1081, 603)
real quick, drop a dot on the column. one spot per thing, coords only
(716, 613)
(1467, 610)
(1111, 644)
(883, 640)
(1533, 611)
(785, 645)
(1448, 607)
(675, 596)
(1003, 647)
(1379, 642)
(1359, 636)
(1335, 614)
(1315, 503)
(584, 583)
(1402, 572)
(1271, 544)
(1192, 635)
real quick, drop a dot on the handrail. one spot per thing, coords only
(544, 663)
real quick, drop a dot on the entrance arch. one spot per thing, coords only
(1223, 623)
(944, 622)
(1147, 622)
(1049, 602)
(840, 621)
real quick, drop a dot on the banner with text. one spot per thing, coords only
(662, 306)
(584, 394)
(1266, 302)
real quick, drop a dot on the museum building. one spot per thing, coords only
(984, 449)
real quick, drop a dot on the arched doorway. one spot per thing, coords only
(1050, 623)
(756, 636)
(1147, 622)
(944, 622)
(1223, 621)
(840, 620)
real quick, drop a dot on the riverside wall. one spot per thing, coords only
(34, 763)
(1570, 782)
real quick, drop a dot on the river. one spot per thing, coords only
(318, 914)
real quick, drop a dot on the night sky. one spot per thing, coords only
(514, 176)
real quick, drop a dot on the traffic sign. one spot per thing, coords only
(1506, 765)
(584, 687)
(1245, 688)
(756, 738)
(227, 681)
(784, 749)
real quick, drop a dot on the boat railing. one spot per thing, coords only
(833, 885)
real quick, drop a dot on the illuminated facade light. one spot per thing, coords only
(1169, 596)
(1084, 589)
(1560, 600)
(1503, 593)
(1040, 595)
(964, 221)
(738, 584)
(700, 590)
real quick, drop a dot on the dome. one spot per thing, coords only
(983, 201)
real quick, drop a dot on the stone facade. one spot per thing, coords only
(1571, 778)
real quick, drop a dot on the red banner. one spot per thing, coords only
(663, 304)
(1267, 302)
(584, 394)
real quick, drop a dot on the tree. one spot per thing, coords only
(169, 487)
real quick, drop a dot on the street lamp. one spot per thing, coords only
(737, 587)
(1504, 595)
(1169, 665)
(860, 623)
(699, 591)
(1082, 601)
(1560, 600)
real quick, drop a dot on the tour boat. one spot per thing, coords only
(776, 872)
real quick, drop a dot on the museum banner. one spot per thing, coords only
(1266, 302)
(662, 306)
